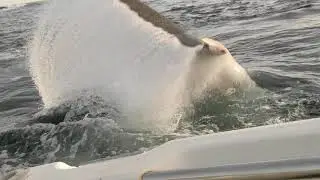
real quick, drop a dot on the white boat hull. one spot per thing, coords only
(295, 140)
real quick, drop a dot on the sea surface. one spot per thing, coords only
(277, 41)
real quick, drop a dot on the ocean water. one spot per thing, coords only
(277, 41)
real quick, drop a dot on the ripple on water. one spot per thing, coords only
(276, 40)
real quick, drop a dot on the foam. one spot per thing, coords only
(111, 52)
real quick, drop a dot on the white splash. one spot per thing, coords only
(102, 47)
(16, 3)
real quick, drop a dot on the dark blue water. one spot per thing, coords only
(277, 41)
